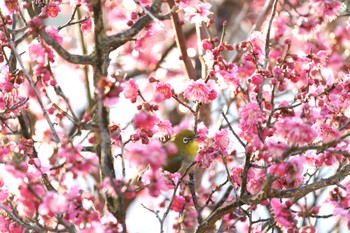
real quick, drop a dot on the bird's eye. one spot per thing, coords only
(185, 140)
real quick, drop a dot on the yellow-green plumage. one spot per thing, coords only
(187, 147)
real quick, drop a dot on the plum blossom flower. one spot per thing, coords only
(153, 154)
(205, 157)
(37, 53)
(163, 129)
(53, 32)
(202, 131)
(53, 203)
(295, 131)
(201, 91)
(26, 146)
(283, 217)
(221, 141)
(130, 90)
(275, 148)
(236, 175)
(255, 177)
(29, 202)
(52, 9)
(86, 26)
(250, 116)
(155, 183)
(178, 203)
(228, 78)
(328, 133)
(256, 79)
(11, 5)
(258, 42)
(206, 45)
(145, 121)
(15, 228)
(291, 172)
(328, 9)
(195, 11)
(162, 92)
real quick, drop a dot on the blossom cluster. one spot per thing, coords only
(269, 110)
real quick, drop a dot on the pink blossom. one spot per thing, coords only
(53, 203)
(131, 90)
(279, 24)
(107, 188)
(178, 204)
(258, 42)
(86, 26)
(195, 11)
(236, 175)
(11, 5)
(255, 178)
(250, 116)
(37, 53)
(295, 131)
(155, 183)
(4, 194)
(256, 79)
(15, 228)
(209, 58)
(228, 78)
(221, 141)
(163, 129)
(4, 224)
(70, 153)
(170, 179)
(308, 229)
(42, 71)
(289, 172)
(202, 131)
(328, 133)
(275, 148)
(162, 92)
(145, 121)
(152, 154)
(28, 199)
(206, 45)
(52, 9)
(200, 91)
(190, 216)
(53, 32)
(327, 8)
(206, 156)
(283, 217)
(26, 146)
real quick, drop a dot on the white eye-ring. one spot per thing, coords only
(186, 140)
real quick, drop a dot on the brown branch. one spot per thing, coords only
(296, 194)
(267, 42)
(114, 41)
(29, 79)
(71, 58)
(258, 23)
(191, 185)
(181, 44)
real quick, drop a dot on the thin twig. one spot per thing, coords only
(174, 194)
(194, 197)
(29, 79)
(181, 44)
(232, 130)
(267, 42)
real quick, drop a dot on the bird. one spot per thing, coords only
(187, 147)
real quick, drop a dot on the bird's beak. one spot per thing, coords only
(195, 136)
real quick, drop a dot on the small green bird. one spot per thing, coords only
(187, 147)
